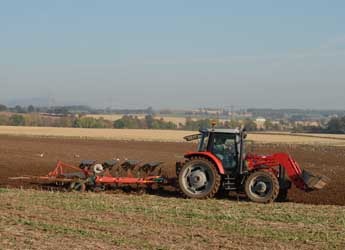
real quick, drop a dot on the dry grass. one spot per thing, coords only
(43, 220)
(110, 134)
(164, 135)
(293, 138)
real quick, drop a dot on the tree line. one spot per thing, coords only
(61, 117)
(126, 122)
(335, 126)
(74, 109)
(130, 122)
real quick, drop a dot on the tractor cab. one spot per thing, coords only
(225, 144)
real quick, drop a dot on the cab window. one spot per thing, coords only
(224, 148)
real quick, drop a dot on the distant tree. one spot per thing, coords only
(336, 125)
(31, 109)
(17, 120)
(4, 120)
(232, 124)
(3, 107)
(120, 123)
(149, 121)
(161, 124)
(166, 125)
(90, 122)
(131, 122)
(59, 110)
(198, 124)
(66, 122)
(19, 109)
(150, 111)
(269, 125)
(250, 125)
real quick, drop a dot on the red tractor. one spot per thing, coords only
(222, 162)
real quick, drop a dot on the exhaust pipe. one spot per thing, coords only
(314, 182)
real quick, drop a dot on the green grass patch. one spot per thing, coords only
(136, 221)
(4, 190)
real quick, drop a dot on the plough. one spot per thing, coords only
(94, 176)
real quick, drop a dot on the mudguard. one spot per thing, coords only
(210, 156)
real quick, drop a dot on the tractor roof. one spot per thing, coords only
(206, 131)
(221, 131)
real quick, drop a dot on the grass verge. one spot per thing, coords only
(45, 220)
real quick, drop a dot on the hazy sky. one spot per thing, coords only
(177, 53)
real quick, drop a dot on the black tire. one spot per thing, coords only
(262, 187)
(282, 195)
(199, 179)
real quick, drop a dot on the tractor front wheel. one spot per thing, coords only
(262, 187)
(199, 179)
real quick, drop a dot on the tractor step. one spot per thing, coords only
(229, 183)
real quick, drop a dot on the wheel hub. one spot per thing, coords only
(260, 187)
(197, 179)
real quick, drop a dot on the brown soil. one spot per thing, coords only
(21, 156)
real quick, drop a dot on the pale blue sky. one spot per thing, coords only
(178, 54)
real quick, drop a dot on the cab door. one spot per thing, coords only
(224, 148)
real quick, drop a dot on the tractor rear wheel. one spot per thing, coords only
(262, 187)
(199, 179)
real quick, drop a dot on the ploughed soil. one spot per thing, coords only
(21, 156)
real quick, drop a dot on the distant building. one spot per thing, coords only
(308, 123)
(260, 122)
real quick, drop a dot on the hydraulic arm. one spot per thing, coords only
(300, 178)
